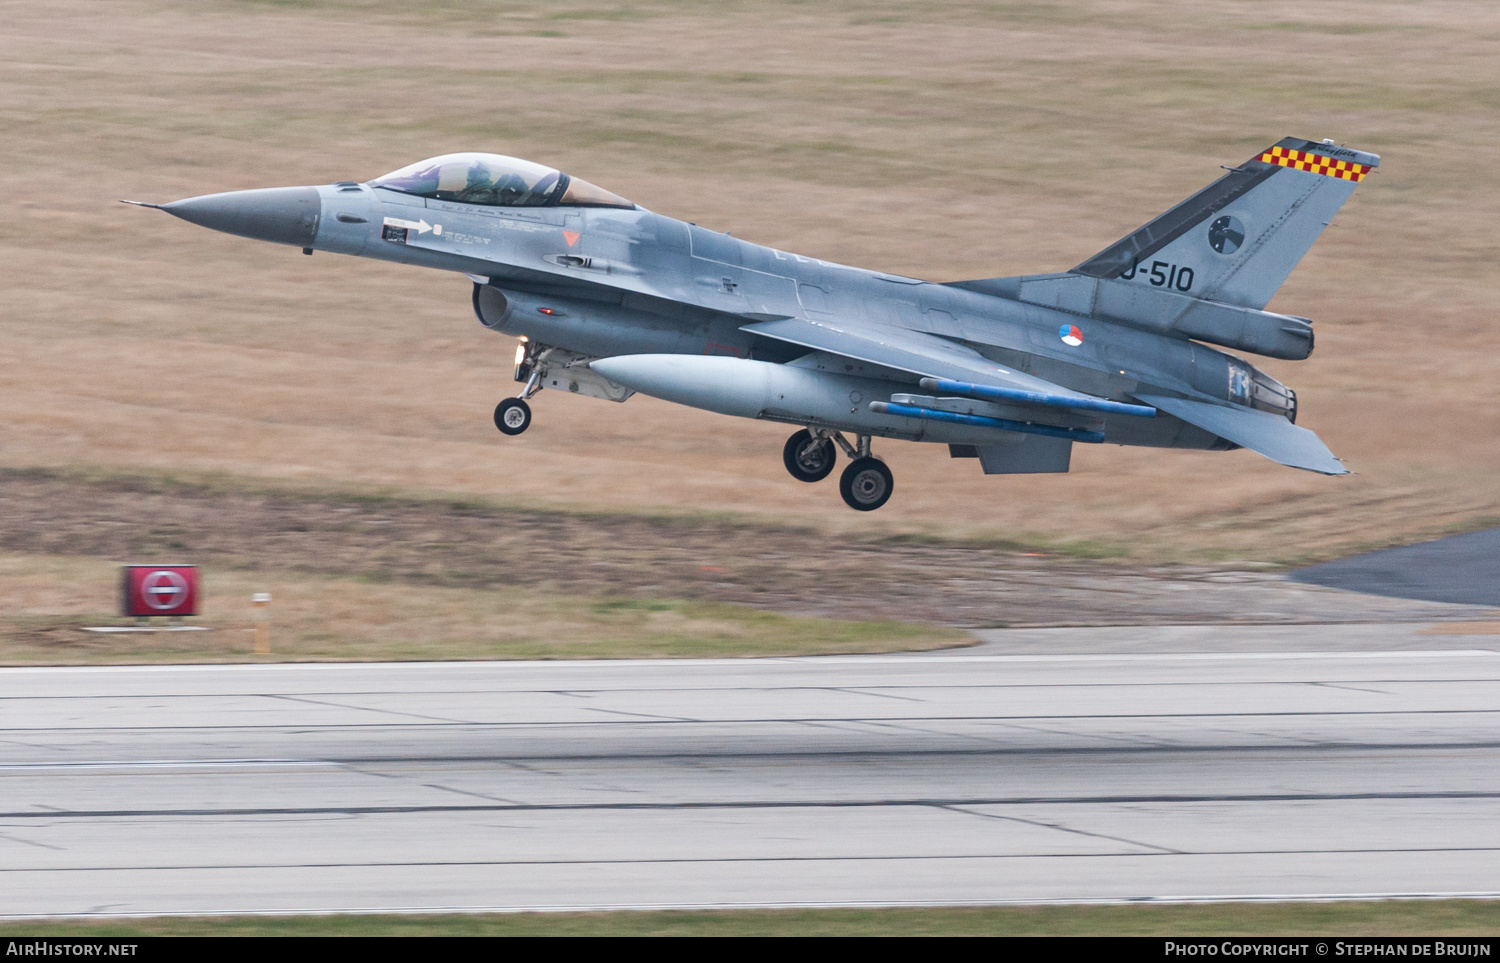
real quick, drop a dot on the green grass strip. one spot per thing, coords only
(1449, 917)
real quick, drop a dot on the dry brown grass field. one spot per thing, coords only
(944, 141)
(46, 601)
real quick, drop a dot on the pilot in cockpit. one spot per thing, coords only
(496, 181)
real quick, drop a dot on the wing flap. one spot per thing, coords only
(1260, 431)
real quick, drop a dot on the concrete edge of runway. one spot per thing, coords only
(787, 905)
(958, 654)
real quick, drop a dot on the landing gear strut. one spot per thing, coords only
(866, 484)
(513, 415)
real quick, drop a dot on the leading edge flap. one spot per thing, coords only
(916, 352)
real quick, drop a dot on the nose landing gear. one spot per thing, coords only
(541, 366)
(809, 456)
(513, 415)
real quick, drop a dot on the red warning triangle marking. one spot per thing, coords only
(571, 237)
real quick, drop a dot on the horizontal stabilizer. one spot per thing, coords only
(1260, 431)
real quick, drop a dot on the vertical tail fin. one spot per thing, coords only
(1239, 238)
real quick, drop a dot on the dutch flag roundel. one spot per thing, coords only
(1070, 334)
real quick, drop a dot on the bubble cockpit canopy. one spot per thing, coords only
(496, 181)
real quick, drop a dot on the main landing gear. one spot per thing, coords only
(808, 457)
(866, 483)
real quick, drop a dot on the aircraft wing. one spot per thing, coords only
(1260, 431)
(921, 354)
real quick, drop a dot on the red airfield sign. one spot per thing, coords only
(159, 590)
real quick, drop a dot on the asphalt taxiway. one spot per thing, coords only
(1042, 765)
(1462, 569)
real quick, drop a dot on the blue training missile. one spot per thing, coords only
(1014, 395)
(984, 421)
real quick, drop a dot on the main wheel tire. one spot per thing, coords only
(866, 484)
(809, 459)
(512, 416)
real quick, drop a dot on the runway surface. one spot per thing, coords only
(1037, 767)
(1461, 568)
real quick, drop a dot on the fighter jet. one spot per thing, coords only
(608, 299)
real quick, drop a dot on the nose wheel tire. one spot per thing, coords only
(512, 416)
(866, 484)
(808, 459)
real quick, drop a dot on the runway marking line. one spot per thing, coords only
(740, 860)
(905, 721)
(171, 764)
(877, 688)
(914, 803)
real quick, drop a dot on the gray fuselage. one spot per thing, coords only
(603, 282)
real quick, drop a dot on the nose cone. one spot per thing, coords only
(282, 215)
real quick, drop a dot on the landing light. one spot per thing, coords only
(520, 353)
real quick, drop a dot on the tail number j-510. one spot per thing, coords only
(1162, 274)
